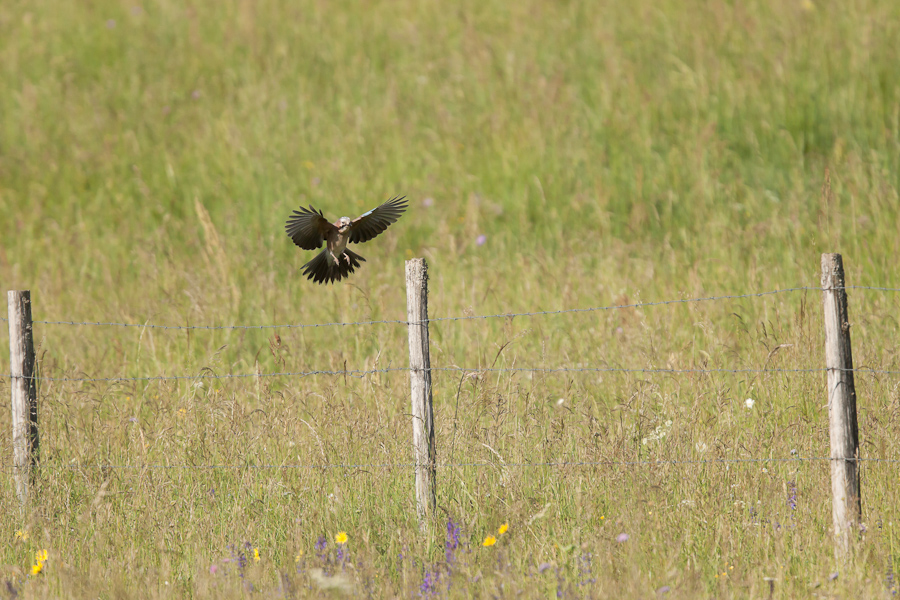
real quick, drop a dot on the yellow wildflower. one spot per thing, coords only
(341, 537)
(256, 554)
(503, 528)
(489, 541)
(22, 535)
(40, 556)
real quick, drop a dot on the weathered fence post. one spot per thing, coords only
(420, 385)
(843, 428)
(24, 390)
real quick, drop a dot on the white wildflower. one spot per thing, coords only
(659, 433)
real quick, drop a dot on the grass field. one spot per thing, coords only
(557, 155)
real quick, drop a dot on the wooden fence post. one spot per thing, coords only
(843, 428)
(24, 390)
(420, 386)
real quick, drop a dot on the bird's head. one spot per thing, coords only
(344, 224)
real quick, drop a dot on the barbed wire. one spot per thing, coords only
(867, 287)
(438, 319)
(479, 464)
(220, 327)
(465, 317)
(363, 373)
(360, 373)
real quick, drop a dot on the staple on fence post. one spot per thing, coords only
(420, 387)
(23, 390)
(843, 428)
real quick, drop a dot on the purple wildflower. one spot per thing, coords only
(622, 537)
(237, 556)
(664, 590)
(320, 547)
(584, 569)
(792, 498)
(429, 583)
(481, 239)
(452, 542)
(543, 567)
(428, 202)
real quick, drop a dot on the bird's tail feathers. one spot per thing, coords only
(322, 268)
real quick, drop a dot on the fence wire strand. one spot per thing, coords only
(481, 464)
(465, 317)
(472, 371)
(437, 319)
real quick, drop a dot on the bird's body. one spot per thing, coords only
(308, 229)
(338, 238)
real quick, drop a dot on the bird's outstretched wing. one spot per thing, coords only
(366, 226)
(308, 227)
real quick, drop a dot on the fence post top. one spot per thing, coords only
(832, 271)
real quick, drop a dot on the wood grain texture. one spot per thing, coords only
(420, 387)
(23, 389)
(843, 427)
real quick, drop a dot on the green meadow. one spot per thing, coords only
(557, 155)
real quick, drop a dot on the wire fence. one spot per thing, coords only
(360, 373)
(148, 325)
(500, 465)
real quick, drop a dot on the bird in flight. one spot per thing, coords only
(308, 228)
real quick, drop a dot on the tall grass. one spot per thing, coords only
(608, 152)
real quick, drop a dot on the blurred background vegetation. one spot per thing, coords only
(607, 152)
